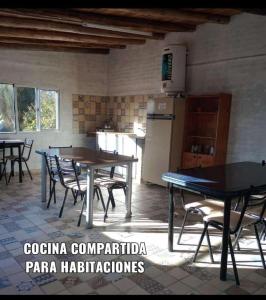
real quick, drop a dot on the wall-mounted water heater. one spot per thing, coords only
(174, 69)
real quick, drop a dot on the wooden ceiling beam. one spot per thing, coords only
(29, 23)
(162, 14)
(34, 47)
(122, 22)
(23, 41)
(66, 37)
(256, 11)
(214, 11)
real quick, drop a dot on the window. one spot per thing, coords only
(26, 108)
(48, 109)
(7, 109)
(37, 109)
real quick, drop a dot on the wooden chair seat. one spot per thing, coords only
(206, 206)
(217, 216)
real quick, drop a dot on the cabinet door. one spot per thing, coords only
(111, 143)
(120, 150)
(129, 149)
(190, 160)
(205, 160)
(101, 141)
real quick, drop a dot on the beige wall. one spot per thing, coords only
(70, 73)
(221, 58)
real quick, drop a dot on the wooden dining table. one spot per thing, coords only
(90, 159)
(224, 182)
(10, 143)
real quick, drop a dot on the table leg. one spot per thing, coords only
(43, 179)
(171, 218)
(19, 164)
(129, 190)
(226, 233)
(12, 164)
(89, 198)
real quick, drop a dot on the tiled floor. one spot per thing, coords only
(23, 218)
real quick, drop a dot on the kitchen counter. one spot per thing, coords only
(131, 134)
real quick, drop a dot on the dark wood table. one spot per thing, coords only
(14, 144)
(223, 182)
(92, 160)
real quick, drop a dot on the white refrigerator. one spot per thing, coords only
(164, 136)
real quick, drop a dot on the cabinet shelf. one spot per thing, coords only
(203, 113)
(202, 137)
(206, 127)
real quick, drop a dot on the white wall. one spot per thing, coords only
(70, 73)
(229, 58)
(222, 58)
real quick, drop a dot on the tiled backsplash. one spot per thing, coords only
(89, 112)
(124, 113)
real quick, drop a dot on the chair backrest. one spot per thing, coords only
(51, 165)
(27, 147)
(67, 168)
(112, 169)
(249, 201)
(59, 147)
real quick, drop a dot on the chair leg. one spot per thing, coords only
(233, 260)
(12, 167)
(4, 173)
(54, 192)
(209, 245)
(62, 207)
(28, 169)
(97, 194)
(259, 245)
(236, 243)
(74, 196)
(112, 198)
(200, 241)
(9, 176)
(101, 197)
(51, 195)
(81, 213)
(182, 227)
(107, 205)
(125, 191)
(263, 231)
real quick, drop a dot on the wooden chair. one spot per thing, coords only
(202, 208)
(66, 169)
(25, 156)
(111, 183)
(238, 220)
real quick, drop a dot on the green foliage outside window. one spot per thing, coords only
(48, 109)
(27, 103)
(26, 109)
(7, 119)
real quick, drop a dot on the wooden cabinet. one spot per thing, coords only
(206, 130)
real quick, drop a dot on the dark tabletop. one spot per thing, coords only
(88, 156)
(221, 181)
(11, 143)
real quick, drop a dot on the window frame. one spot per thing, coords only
(16, 106)
(14, 110)
(37, 106)
(56, 110)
